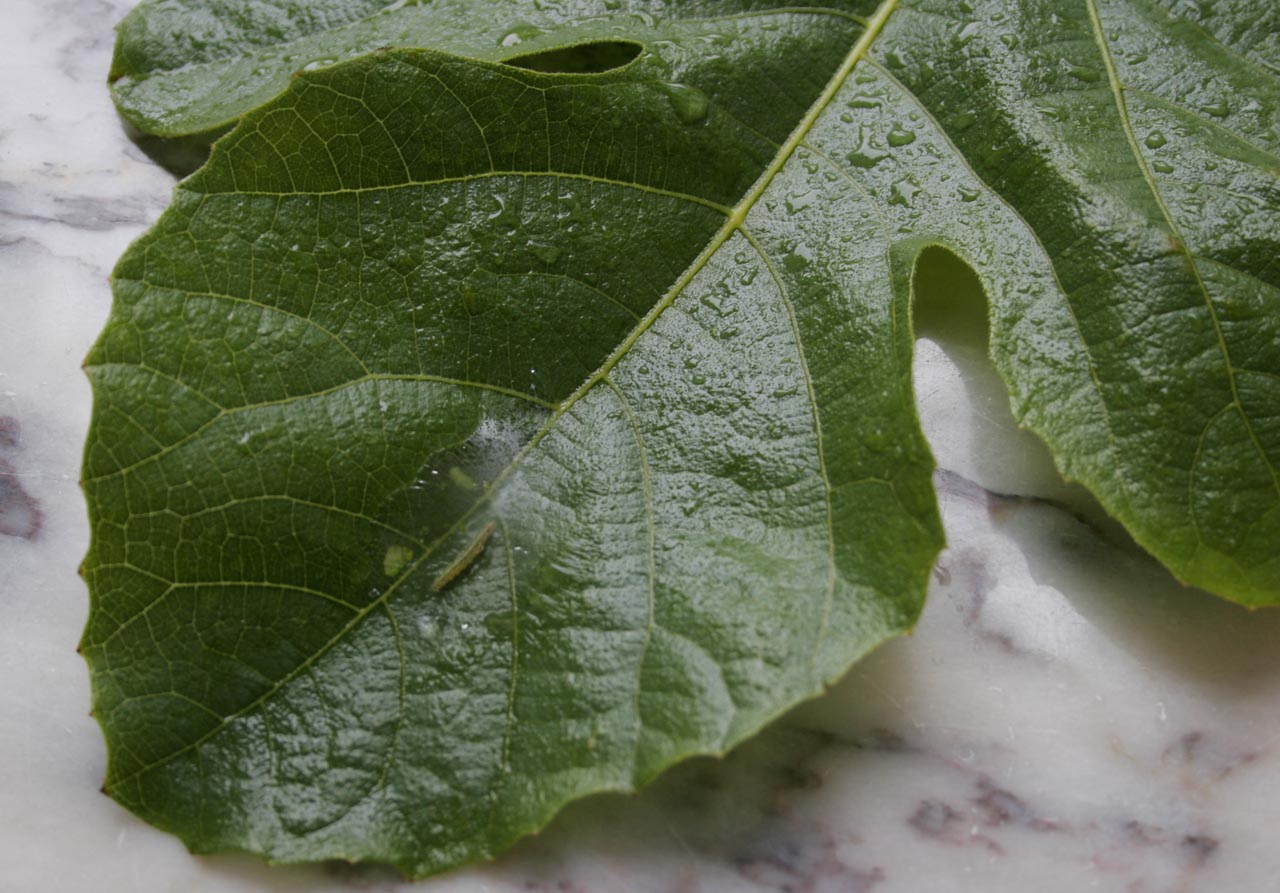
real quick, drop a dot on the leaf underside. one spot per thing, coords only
(501, 420)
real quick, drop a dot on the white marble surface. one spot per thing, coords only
(1065, 717)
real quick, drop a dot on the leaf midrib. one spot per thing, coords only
(734, 222)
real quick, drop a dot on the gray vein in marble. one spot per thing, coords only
(20, 514)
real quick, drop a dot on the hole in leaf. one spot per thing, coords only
(583, 58)
(948, 302)
(964, 403)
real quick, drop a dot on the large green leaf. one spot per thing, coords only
(631, 349)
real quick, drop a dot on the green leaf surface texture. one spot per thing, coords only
(504, 417)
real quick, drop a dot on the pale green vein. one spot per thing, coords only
(145, 611)
(651, 564)
(168, 696)
(294, 399)
(829, 595)
(282, 497)
(1117, 90)
(1259, 67)
(283, 311)
(486, 175)
(576, 281)
(168, 376)
(1205, 121)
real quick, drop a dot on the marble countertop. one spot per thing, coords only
(1065, 717)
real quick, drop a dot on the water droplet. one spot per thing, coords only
(968, 194)
(548, 254)
(798, 259)
(1162, 167)
(690, 103)
(798, 201)
(867, 155)
(319, 63)
(899, 137)
(518, 33)
(471, 301)
(500, 624)
(402, 262)
(1217, 109)
(504, 216)
(905, 192)
(1084, 73)
(461, 478)
(1155, 139)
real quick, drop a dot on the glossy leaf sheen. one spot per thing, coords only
(649, 318)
